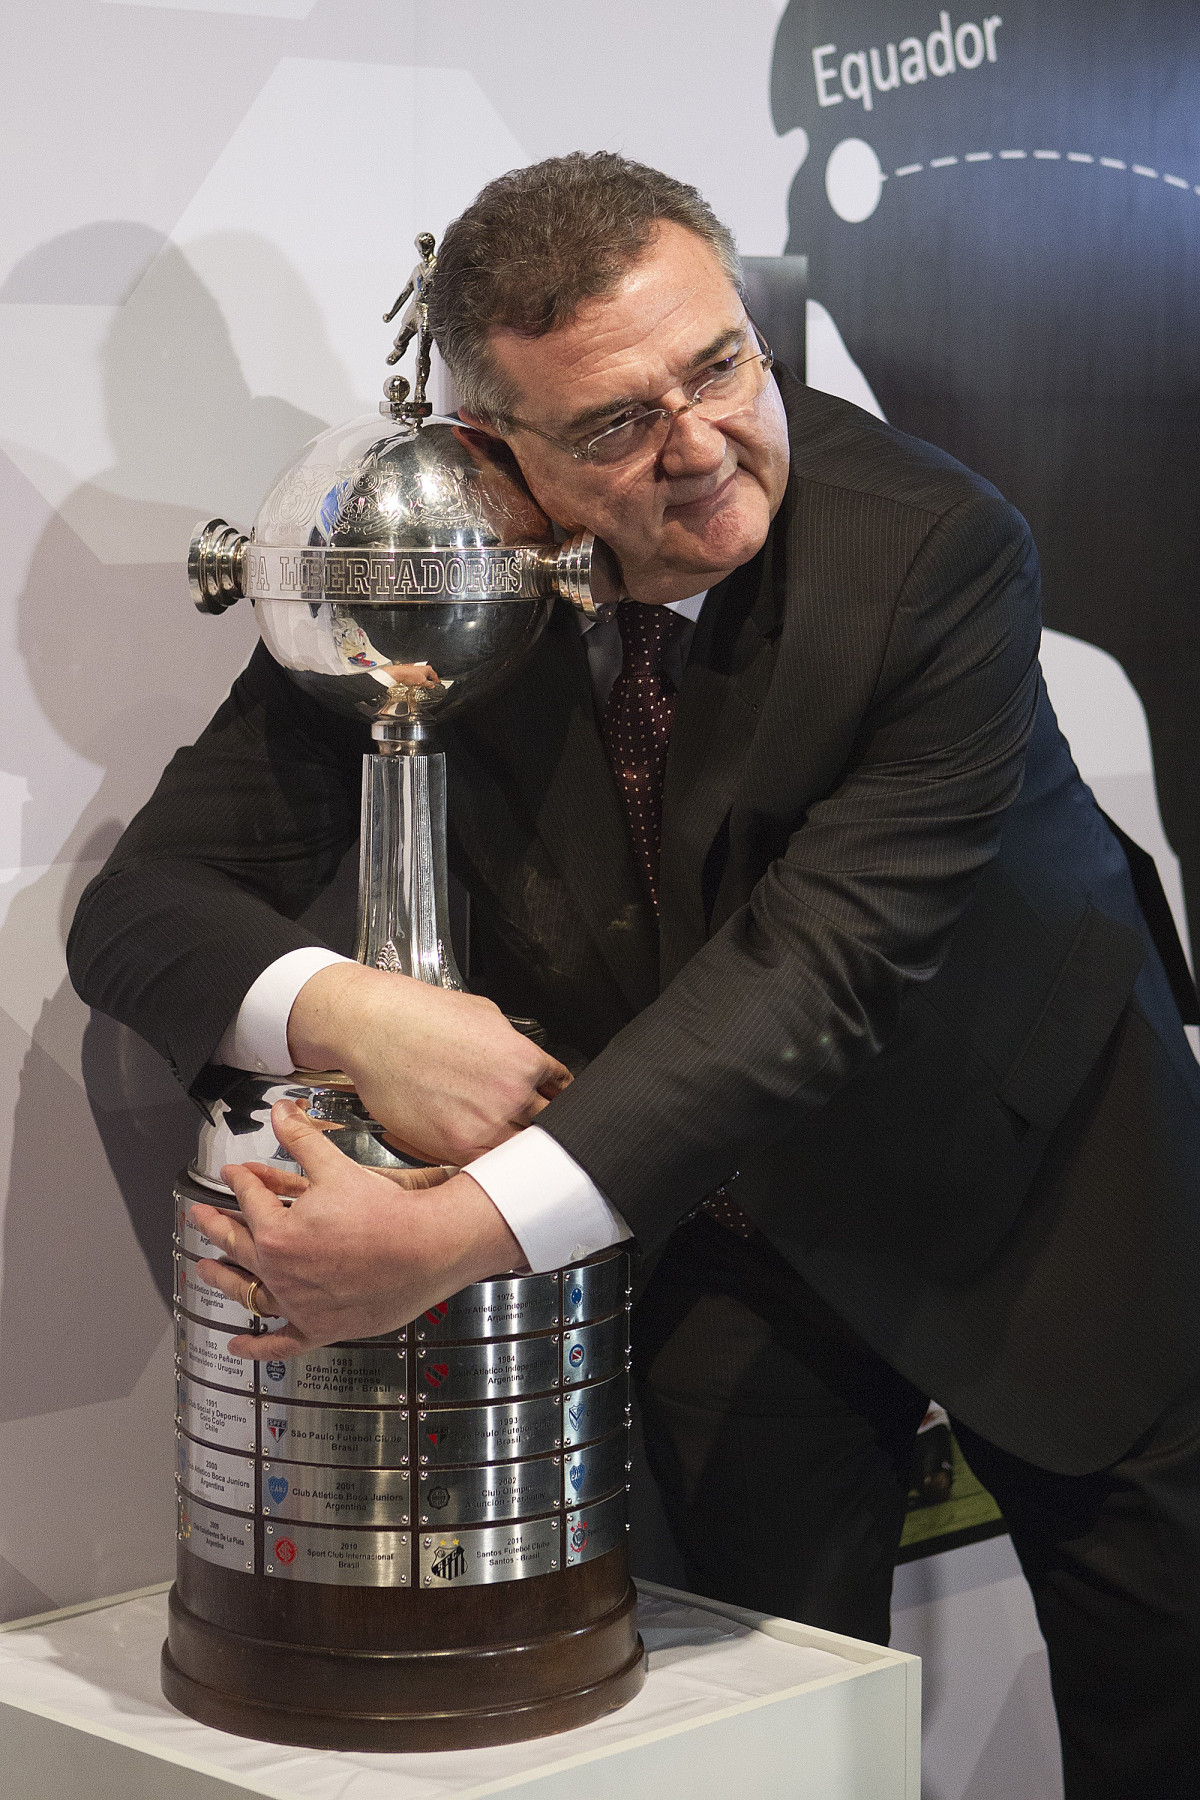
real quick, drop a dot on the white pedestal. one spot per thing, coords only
(735, 1704)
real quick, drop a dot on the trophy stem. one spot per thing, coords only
(403, 897)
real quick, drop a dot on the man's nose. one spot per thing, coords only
(694, 446)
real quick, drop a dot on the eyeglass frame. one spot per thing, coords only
(766, 356)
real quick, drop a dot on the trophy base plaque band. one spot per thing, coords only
(416, 1542)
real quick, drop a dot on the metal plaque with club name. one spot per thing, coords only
(221, 1477)
(595, 1290)
(489, 1309)
(595, 1530)
(204, 1351)
(216, 1537)
(495, 1553)
(497, 1371)
(216, 1417)
(592, 1352)
(485, 1434)
(593, 1412)
(192, 1295)
(597, 1470)
(355, 1377)
(334, 1434)
(188, 1239)
(336, 1557)
(476, 1496)
(334, 1496)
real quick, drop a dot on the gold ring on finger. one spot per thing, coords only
(252, 1293)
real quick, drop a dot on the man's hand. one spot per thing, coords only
(444, 1071)
(356, 1253)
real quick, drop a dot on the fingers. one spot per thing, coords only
(286, 1182)
(287, 1341)
(255, 1200)
(235, 1283)
(305, 1142)
(224, 1229)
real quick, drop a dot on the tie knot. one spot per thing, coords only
(645, 633)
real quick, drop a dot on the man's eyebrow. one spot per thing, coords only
(594, 414)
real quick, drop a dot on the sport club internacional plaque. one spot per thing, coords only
(419, 1542)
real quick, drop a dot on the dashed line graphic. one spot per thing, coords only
(1073, 156)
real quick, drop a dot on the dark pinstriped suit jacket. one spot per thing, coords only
(901, 984)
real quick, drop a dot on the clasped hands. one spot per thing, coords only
(354, 1252)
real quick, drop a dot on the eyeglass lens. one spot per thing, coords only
(714, 399)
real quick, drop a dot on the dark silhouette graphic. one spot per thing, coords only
(1001, 211)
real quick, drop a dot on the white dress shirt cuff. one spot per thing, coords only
(257, 1037)
(554, 1210)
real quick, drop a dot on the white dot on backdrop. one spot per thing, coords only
(853, 180)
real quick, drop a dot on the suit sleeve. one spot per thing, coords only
(205, 888)
(801, 987)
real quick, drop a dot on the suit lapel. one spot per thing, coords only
(547, 727)
(716, 714)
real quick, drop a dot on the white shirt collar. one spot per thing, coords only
(687, 609)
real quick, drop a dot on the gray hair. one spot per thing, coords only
(536, 243)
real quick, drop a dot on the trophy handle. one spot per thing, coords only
(584, 571)
(216, 565)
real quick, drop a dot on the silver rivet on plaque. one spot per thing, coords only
(428, 1543)
(553, 1563)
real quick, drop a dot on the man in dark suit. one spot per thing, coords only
(885, 1069)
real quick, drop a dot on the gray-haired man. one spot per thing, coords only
(859, 950)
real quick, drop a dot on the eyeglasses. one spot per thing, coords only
(729, 387)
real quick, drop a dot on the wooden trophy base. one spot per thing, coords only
(382, 1697)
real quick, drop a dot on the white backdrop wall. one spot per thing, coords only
(208, 209)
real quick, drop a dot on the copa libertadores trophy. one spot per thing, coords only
(417, 1542)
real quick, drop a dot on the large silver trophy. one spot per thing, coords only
(347, 1517)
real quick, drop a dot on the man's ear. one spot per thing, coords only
(474, 424)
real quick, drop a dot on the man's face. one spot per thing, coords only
(680, 518)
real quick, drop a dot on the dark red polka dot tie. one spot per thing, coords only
(637, 728)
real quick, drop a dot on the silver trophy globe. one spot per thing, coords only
(418, 1542)
(398, 572)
